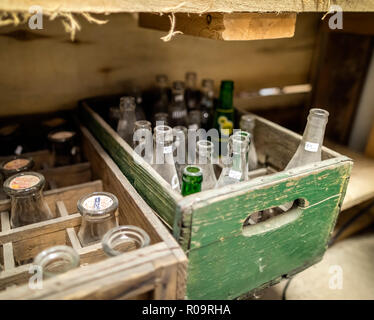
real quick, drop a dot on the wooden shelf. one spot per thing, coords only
(190, 6)
(361, 183)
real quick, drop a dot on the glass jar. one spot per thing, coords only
(16, 165)
(98, 216)
(27, 201)
(64, 147)
(123, 239)
(56, 260)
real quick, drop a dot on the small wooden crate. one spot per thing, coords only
(154, 272)
(227, 259)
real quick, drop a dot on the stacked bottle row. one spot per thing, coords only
(178, 117)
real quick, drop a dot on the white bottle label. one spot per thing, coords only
(168, 149)
(311, 146)
(235, 174)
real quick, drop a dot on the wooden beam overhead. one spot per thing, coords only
(190, 6)
(225, 26)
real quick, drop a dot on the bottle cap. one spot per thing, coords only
(16, 164)
(61, 135)
(24, 183)
(98, 205)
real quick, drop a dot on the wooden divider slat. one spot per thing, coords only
(7, 247)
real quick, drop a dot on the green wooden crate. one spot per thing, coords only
(227, 260)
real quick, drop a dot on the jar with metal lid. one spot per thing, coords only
(123, 239)
(56, 260)
(64, 149)
(98, 211)
(27, 201)
(16, 165)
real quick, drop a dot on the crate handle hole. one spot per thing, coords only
(271, 219)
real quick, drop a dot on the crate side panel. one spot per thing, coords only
(223, 263)
(236, 265)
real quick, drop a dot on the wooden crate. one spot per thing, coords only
(226, 259)
(154, 272)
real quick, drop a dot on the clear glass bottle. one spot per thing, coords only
(207, 104)
(180, 143)
(27, 202)
(64, 147)
(143, 142)
(16, 165)
(309, 149)
(125, 126)
(194, 120)
(161, 99)
(122, 239)
(177, 107)
(247, 123)
(161, 118)
(57, 260)
(191, 93)
(192, 180)
(236, 168)
(98, 211)
(163, 160)
(205, 150)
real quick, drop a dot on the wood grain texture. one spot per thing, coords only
(68, 175)
(98, 63)
(221, 26)
(193, 6)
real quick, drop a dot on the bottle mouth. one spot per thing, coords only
(57, 260)
(163, 133)
(143, 124)
(122, 239)
(205, 146)
(319, 112)
(192, 170)
(244, 134)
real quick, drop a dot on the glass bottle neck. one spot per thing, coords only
(314, 131)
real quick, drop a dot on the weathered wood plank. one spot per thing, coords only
(224, 26)
(68, 175)
(192, 6)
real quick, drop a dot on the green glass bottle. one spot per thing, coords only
(192, 180)
(224, 115)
